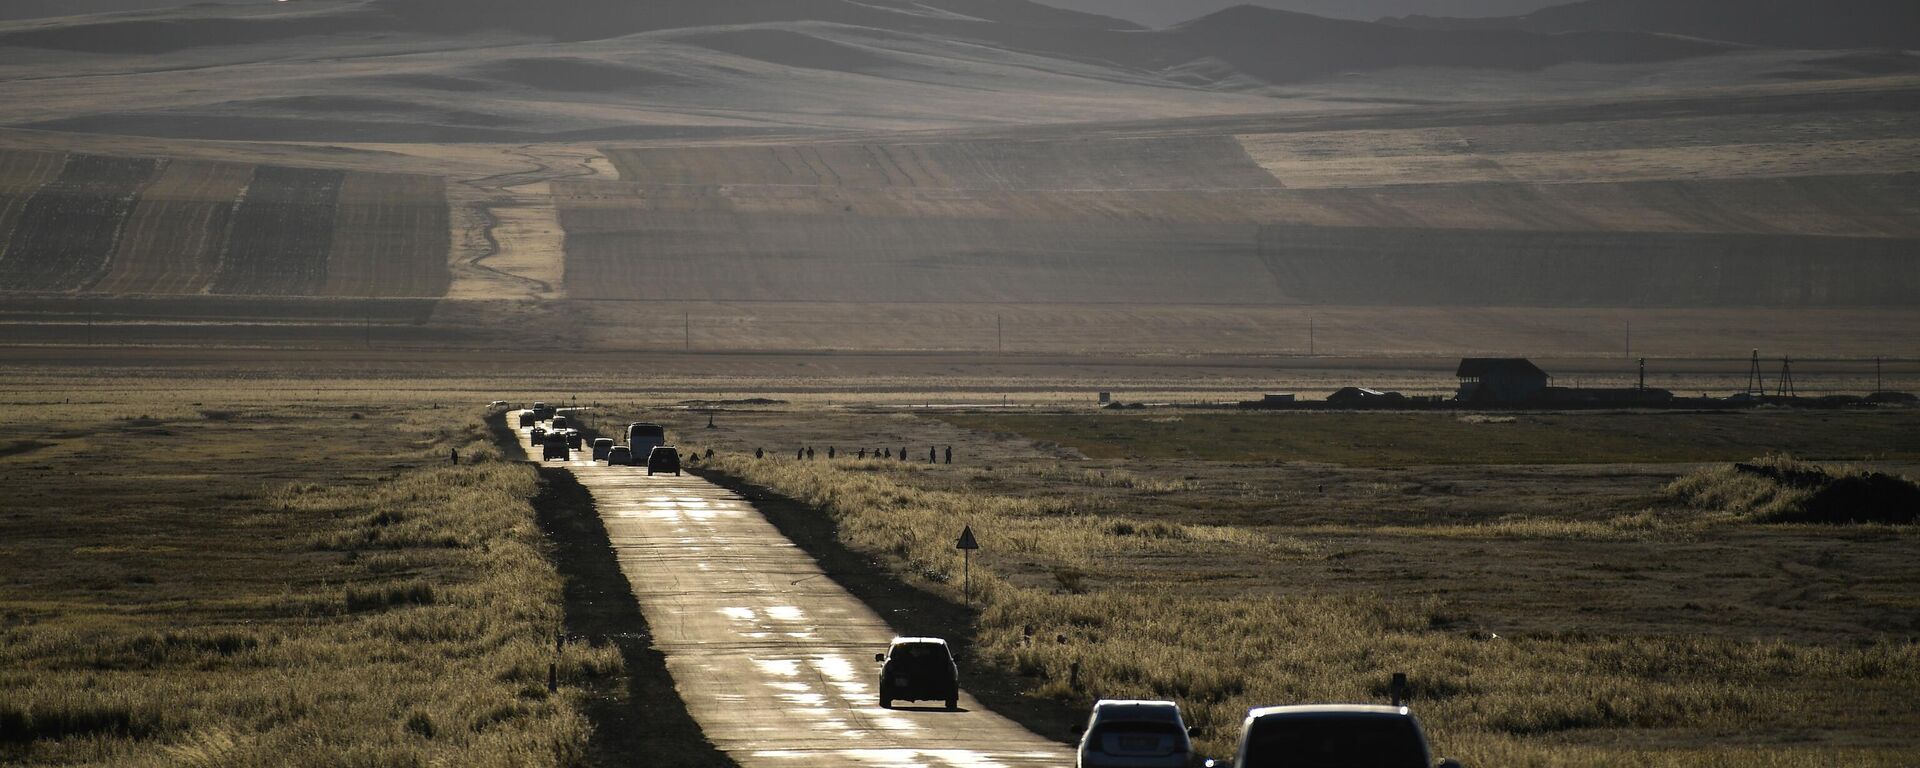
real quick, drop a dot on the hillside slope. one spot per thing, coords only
(1279, 47)
(1771, 23)
(1166, 13)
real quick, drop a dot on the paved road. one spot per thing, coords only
(775, 660)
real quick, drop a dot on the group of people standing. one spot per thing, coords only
(808, 453)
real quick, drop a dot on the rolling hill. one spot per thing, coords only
(823, 159)
(1835, 24)
(1166, 13)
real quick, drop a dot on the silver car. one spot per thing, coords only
(1129, 733)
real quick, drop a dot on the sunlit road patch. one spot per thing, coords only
(775, 660)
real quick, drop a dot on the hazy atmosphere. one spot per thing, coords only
(1139, 383)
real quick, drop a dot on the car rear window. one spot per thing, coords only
(1136, 738)
(921, 653)
(1334, 742)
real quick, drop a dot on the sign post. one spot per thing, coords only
(967, 545)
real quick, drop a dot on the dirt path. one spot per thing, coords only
(515, 247)
(772, 657)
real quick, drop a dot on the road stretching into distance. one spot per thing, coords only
(773, 658)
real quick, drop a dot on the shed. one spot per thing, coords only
(1500, 380)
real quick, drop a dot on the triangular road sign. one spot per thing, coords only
(966, 539)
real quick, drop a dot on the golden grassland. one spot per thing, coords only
(258, 579)
(1539, 627)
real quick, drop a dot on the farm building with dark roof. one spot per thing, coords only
(1500, 380)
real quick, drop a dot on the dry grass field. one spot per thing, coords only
(225, 574)
(1567, 613)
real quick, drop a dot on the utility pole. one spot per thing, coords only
(1786, 378)
(1310, 329)
(1756, 385)
(1643, 374)
(686, 331)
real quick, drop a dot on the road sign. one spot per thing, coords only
(967, 545)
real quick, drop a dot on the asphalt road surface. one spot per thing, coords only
(774, 659)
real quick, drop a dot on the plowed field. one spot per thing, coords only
(143, 226)
(1710, 211)
(1208, 162)
(282, 233)
(174, 239)
(67, 230)
(21, 174)
(390, 237)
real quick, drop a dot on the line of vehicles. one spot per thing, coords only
(1131, 733)
(557, 437)
(1119, 733)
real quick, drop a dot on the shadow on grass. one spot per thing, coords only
(647, 724)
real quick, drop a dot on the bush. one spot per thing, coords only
(1779, 489)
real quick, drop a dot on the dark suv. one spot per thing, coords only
(556, 447)
(663, 459)
(1329, 736)
(918, 669)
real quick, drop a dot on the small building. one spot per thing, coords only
(1500, 380)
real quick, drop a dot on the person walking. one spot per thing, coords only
(830, 452)
(949, 454)
(453, 455)
(933, 456)
(759, 453)
(863, 454)
(903, 453)
(800, 454)
(809, 453)
(709, 454)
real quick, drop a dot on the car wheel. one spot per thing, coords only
(886, 703)
(649, 472)
(953, 703)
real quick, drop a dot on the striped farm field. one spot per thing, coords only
(65, 233)
(173, 242)
(130, 226)
(21, 175)
(282, 233)
(1204, 162)
(390, 237)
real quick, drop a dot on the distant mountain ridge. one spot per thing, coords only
(1768, 23)
(1166, 13)
(1279, 46)
(41, 9)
